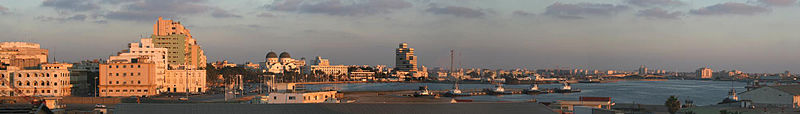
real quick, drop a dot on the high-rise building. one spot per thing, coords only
(406, 63)
(705, 73)
(642, 70)
(405, 60)
(25, 72)
(183, 50)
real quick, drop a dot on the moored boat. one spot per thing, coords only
(533, 90)
(566, 89)
(498, 90)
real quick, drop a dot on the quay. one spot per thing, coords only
(352, 108)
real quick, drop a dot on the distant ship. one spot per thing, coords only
(566, 89)
(533, 90)
(455, 92)
(498, 90)
(423, 91)
(589, 81)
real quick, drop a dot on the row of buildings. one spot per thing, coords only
(169, 61)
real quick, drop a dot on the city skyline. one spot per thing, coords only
(747, 35)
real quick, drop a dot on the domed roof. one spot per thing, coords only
(285, 55)
(272, 55)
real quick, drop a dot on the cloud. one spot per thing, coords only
(71, 5)
(647, 3)
(658, 13)
(147, 10)
(219, 13)
(578, 11)
(730, 8)
(522, 13)
(456, 11)
(340, 7)
(265, 15)
(778, 2)
(78, 17)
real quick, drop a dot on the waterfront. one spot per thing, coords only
(702, 92)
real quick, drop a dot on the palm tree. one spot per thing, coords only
(673, 105)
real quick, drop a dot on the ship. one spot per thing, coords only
(498, 90)
(533, 90)
(455, 92)
(423, 91)
(566, 89)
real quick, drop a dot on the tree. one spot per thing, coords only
(673, 105)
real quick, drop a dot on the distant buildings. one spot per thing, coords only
(25, 72)
(222, 64)
(276, 64)
(642, 70)
(22, 54)
(323, 66)
(704, 73)
(406, 63)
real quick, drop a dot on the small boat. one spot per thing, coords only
(589, 81)
(566, 89)
(455, 92)
(498, 90)
(423, 91)
(533, 90)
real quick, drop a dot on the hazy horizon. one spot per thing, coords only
(682, 35)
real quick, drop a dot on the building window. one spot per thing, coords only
(117, 74)
(291, 98)
(139, 74)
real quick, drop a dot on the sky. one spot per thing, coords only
(675, 35)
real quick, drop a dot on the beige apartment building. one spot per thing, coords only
(704, 73)
(22, 54)
(181, 81)
(24, 71)
(323, 66)
(128, 78)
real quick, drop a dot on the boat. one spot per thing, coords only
(498, 90)
(423, 91)
(455, 92)
(589, 81)
(533, 90)
(566, 89)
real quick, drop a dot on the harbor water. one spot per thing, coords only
(701, 92)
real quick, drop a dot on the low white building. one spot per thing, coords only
(774, 96)
(284, 93)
